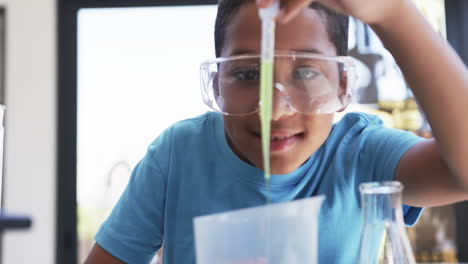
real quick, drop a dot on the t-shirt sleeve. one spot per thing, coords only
(134, 230)
(382, 150)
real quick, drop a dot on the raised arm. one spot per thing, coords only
(434, 172)
(99, 256)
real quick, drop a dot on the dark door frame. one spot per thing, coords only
(66, 234)
(457, 35)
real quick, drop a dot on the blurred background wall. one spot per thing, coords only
(30, 96)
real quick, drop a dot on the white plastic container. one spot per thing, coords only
(276, 233)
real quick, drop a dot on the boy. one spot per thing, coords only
(212, 163)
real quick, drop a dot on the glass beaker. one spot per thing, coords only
(383, 238)
(274, 234)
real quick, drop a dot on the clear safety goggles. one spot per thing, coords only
(308, 83)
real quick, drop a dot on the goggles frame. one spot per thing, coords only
(348, 64)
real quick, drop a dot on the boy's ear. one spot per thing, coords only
(343, 84)
(216, 85)
(342, 109)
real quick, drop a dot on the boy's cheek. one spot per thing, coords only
(242, 142)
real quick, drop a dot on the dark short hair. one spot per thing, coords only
(337, 24)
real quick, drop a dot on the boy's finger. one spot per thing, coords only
(290, 9)
(264, 3)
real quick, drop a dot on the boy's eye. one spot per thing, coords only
(305, 73)
(247, 75)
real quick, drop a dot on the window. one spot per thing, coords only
(137, 75)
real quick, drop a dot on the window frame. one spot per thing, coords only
(66, 207)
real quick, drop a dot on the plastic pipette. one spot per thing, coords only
(267, 15)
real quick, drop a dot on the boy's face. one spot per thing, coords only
(298, 135)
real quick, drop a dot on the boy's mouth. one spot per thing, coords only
(282, 141)
(282, 137)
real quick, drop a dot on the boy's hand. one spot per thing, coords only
(368, 11)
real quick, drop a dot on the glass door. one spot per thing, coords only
(137, 75)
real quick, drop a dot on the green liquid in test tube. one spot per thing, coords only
(267, 16)
(266, 90)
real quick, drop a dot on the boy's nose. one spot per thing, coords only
(281, 107)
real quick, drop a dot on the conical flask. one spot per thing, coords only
(383, 238)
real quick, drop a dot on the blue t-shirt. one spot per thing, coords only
(190, 170)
